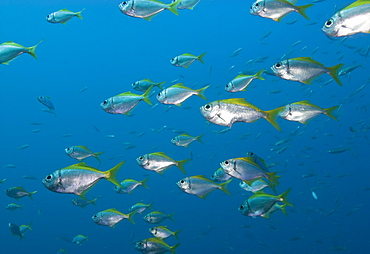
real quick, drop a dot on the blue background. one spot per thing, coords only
(106, 52)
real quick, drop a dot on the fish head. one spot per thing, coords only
(51, 18)
(161, 96)
(69, 150)
(335, 27)
(175, 141)
(228, 166)
(97, 218)
(141, 245)
(286, 112)
(244, 208)
(118, 189)
(174, 61)
(136, 85)
(143, 160)
(41, 99)
(108, 105)
(229, 87)
(126, 6)
(257, 7)
(280, 68)
(52, 181)
(184, 184)
(210, 110)
(153, 231)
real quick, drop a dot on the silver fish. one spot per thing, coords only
(163, 232)
(44, 100)
(178, 93)
(157, 217)
(185, 60)
(159, 162)
(143, 85)
(128, 185)
(111, 217)
(18, 192)
(185, 140)
(62, 16)
(187, 4)
(154, 245)
(241, 82)
(220, 176)
(81, 152)
(10, 50)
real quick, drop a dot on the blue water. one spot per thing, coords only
(106, 52)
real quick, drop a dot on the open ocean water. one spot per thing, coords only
(85, 61)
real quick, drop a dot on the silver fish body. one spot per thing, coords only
(242, 169)
(157, 217)
(159, 162)
(154, 245)
(241, 82)
(62, 16)
(185, 60)
(80, 153)
(178, 93)
(18, 192)
(111, 217)
(254, 186)
(185, 140)
(129, 185)
(46, 102)
(10, 50)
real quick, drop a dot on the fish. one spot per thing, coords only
(2, 181)
(201, 186)
(154, 245)
(128, 186)
(277, 9)
(24, 228)
(10, 50)
(304, 70)
(353, 19)
(111, 217)
(62, 251)
(13, 207)
(124, 103)
(159, 162)
(157, 217)
(185, 60)
(187, 4)
(229, 111)
(348, 69)
(236, 52)
(262, 204)
(143, 85)
(15, 230)
(79, 239)
(253, 185)
(81, 152)
(220, 176)
(147, 9)
(339, 150)
(140, 207)
(62, 16)
(79, 178)
(178, 93)
(46, 101)
(185, 139)
(163, 232)
(9, 166)
(241, 82)
(18, 192)
(82, 202)
(303, 111)
(314, 195)
(258, 160)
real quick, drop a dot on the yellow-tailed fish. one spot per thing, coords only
(24, 228)
(44, 100)
(186, 59)
(163, 232)
(178, 93)
(258, 160)
(159, 162)
(111, 217)
(157, 217)
(79, 178)
(82, 202)
(81, 152)
(140, 207)
(15, 230)
(187, 4)
(18, 192)
(62, 16)
(241, 82)
(253, 185)
(154, 245)
(13, 207)
(220, 176)
(229, 111)
(143, 85)
(128, 185)
(79, 239)
(10, 50)
(304, 70)
(185, 139)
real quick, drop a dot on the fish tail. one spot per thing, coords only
(78, 14)
(130, 217)
(224, 186)
(31, 50)
(31, 193)
(112, 174)
(93, 201)
(146, 95)
(171, 216)
(96, 155)
(180, 165)
(302, 10)
(272, 115)
(200, 58)
(259, 74)
(199, 138)
(329, 112)
(143, 183)
(282, 207)
(173, 7)
(334, 70)
(160, 84)
(273, 178)
(176, 234)
(200, 92)
(283, 197)
(173, 248)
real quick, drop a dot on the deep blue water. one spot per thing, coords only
(106, 52)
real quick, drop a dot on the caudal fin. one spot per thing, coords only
(272, 115)
(96, 155)
(302, 10)
(78, 14)
(334, 73)
(259, 74)
(180, 165)
(146, 95)
(112, 174)
(129, 217)
(199, 138)
(283, 197)
(176, 234)
(224, 186)
(31, 194)
(200, 92)
(173, 7)
(200, 58)
(31, 50)
(329, 112)
(143, 183)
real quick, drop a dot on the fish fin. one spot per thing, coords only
(173, 248)
(200, 92)
(308, 81)
(112, 173)
(146, 95)
(32, 50)
(282, 207)
(170, 216)
(302, 10)
(224, 186)
(130, 217)
(200, 58)
(180, 165)
(160, 84)
(259, 74)
(31, 193)
(280, 18)
(96, 155)
(78, 14)
(173, 7)
(176, 234)
(143, 183)
(93, 201)
(83, 194)
(272, 115)
(266, 215)
(334, 73)
(284, 197)
(329, 112)
(273, 178)
(199, 138)
(149, 18)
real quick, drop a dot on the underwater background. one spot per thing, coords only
(86, 61)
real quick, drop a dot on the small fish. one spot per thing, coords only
(79, 178)
(111, 217)
(236, 52)
(62, 251)
(140, 207)
(241, 82)
(186, 59)
(338, 150)
(157, 217)
(62, 16)
(258, 160)
(44, 100)
(128, 185)
(81, 152)
(79, 239)
(15, 230)
(254, 185)
(353, 19)
(18, 192)
(23, 146)
(277, 9)
(304, 70)
(201, 186)
(303, 111)
(2, 181)
(159, 162)
(83, 89)
(187, 4)
(178, 93)
(154, 245)
(82, 202)
(13, 207)
(9, 166)
(147, 9)
(314, 195)
(124, 103)
(143, 85)
(220, 176)
(229, 111)
(163, 232)
(185, 140)
(348, 69)
(24, 228)
(10, 50)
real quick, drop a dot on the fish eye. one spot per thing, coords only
(105, 102)
(241, 207)
(329, 23)
(141, 158)
(251, 153)
(7, 190)
(124, 3)
(278, 65)
(48, 16)
(159, 94)
(49, 178)
(68, 149)
(226, 162)
(207, 107)
(182, 181)
(95, 216)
